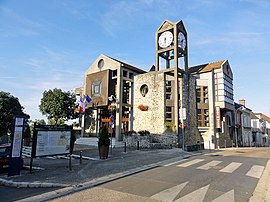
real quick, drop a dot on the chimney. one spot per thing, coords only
(242, 102)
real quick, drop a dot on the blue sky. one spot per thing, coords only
(50, 44)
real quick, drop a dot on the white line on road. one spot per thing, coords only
(255, 171)
(196, 196)
(169, 164)
(169, 195)
(229, 196)
(190, 163)
(231, 167)
(209, 165)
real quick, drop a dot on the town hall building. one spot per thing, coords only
(169, 96)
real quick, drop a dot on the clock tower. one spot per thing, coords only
(172, 58)
(171, 46)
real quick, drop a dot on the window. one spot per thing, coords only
(168, 86)
(202, 106)
(114, 73)
(125, 73)
(169, 114)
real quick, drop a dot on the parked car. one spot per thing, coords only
(5, 152)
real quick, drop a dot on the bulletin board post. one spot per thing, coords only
(51, 140)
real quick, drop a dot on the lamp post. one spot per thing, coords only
(116, 124)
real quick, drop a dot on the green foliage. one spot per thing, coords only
(104, 138)
(39, 122)
(9, 106)
(27, 131)
(170, 127)
(59, 122)
(57, 104)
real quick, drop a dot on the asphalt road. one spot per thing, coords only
(230, 175)
(9, 194)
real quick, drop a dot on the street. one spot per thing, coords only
(229, 175)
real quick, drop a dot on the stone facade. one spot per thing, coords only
(152, 119)
(152, 141)
(192, 135)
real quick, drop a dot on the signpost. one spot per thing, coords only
(111, 123)
(16, 145)
(183, 116)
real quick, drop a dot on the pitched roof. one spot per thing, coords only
(206, 67)
(128, 65)
(212, 66)
(263, 116)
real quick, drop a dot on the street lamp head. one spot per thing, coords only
(112, 98)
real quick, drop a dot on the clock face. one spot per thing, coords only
(182, 40)
(165, 39)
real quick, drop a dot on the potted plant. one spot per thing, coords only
(103, 143)
(143, 107)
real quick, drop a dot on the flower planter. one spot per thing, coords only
(103, 151)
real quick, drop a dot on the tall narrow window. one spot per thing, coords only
(202, 106)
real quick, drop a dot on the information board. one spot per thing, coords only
(52, 140)
(14, 166)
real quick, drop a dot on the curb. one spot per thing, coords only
(10, 183)
(261, 192)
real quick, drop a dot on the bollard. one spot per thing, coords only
(80, 157)
(225, 144)
(209, 147)
(138, 145)
(232, 144)
(125, 147)
(70, 162)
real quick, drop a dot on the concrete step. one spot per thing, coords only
(93, 141)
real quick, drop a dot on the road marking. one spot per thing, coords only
(169, 195)
(196, 196)
(229, 196)
(190, 163)
(231, 167)
(209, 165)
(169, 164)
(255, 171)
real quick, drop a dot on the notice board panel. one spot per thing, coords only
(52, 140)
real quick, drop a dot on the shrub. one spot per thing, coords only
(130, 132)
(104, 138)
(144, 132)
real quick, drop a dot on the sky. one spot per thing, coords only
(50, 44)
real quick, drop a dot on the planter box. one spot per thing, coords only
(103, 151)
(194, 147)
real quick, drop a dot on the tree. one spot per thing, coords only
(57, 104)
(9, 106)
(27, 135)
(59, 122)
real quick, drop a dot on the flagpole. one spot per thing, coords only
(82, 124)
